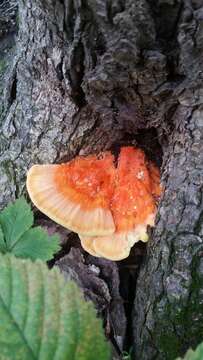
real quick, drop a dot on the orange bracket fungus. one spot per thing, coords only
(108, 206)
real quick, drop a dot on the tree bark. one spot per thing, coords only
(90, 75)
(168, 308)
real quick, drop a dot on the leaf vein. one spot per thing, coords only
(18, 328)
(43, 312)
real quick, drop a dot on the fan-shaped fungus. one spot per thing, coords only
(108, 206)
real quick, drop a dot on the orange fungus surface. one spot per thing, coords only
(129, 190)
(88, 181)
(108, 203)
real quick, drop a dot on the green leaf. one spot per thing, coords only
(194, 354)
(15, 219)
(43, 317)
(36, 244)
(17, 236)
(2, 242)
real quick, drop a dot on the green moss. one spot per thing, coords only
(181, 321)
(169, 345)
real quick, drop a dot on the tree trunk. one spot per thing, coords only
(90, 75)
(168, 308)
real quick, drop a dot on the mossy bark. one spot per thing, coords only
(90, 75)
(168, 308)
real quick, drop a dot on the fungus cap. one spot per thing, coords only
(87, 244)
(73, 195)
(109, 207)
(118, 245)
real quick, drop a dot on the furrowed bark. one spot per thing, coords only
(169, 301)
(90, 75)
(69, 97)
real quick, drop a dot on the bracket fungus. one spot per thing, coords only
(108, 206)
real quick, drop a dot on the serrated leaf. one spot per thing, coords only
(2, 241)
(15, 219)
(194, 354)
(36, 244)
(19, 238)
(45, 318)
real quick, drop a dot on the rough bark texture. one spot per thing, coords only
(169, 300)
(99, 279)
(8, 28)
(168, 309)
(90, 75)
